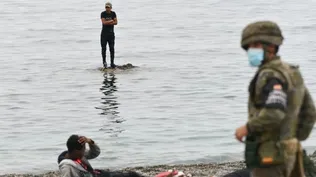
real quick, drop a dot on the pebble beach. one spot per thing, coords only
(196, 170)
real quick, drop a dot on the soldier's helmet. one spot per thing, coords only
(261, 31)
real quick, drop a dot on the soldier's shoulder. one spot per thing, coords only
(268, 72)
(291, 65)
(294, 66)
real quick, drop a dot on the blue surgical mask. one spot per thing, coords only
(255, 56)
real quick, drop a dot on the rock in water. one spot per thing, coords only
(118, 67)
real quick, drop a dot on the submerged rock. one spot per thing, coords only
(119, 67)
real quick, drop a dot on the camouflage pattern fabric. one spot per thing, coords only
(309, 166)
(262, 31)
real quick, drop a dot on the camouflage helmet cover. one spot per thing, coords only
(261, 31)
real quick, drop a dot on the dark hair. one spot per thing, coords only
(73, 144)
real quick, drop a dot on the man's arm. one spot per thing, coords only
(106, 22)
(272, 87)
(114, 19)
(93, 152)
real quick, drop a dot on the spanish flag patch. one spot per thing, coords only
(267, 160)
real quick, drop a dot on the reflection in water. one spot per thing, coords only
(109, 88)
(110, 105)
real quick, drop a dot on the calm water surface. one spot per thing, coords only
(181, 105)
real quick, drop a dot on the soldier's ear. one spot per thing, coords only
(272, 48)
(276, 49)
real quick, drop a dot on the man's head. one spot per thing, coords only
(75, 149)
(261, 40)
(108, 7)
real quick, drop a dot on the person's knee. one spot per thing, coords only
(112, 48)
(103, 42)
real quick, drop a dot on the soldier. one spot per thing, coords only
(281, 112)
(309, 169)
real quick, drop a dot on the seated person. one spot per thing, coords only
(74, 162)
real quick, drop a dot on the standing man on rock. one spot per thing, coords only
(281, 111)
(108, 19)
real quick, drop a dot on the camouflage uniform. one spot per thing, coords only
(281, 112)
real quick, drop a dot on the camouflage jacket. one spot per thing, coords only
(280, 106)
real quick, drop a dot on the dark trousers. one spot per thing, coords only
(239, 173)
(104, 173)
(107, 39)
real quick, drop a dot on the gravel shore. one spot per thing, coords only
(196, 170)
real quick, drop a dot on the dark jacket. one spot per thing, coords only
(70, 168)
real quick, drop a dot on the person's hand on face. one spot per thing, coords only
(83, 140)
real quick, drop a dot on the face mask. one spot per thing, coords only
(255, 56)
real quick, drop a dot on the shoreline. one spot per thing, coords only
(196, 170)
